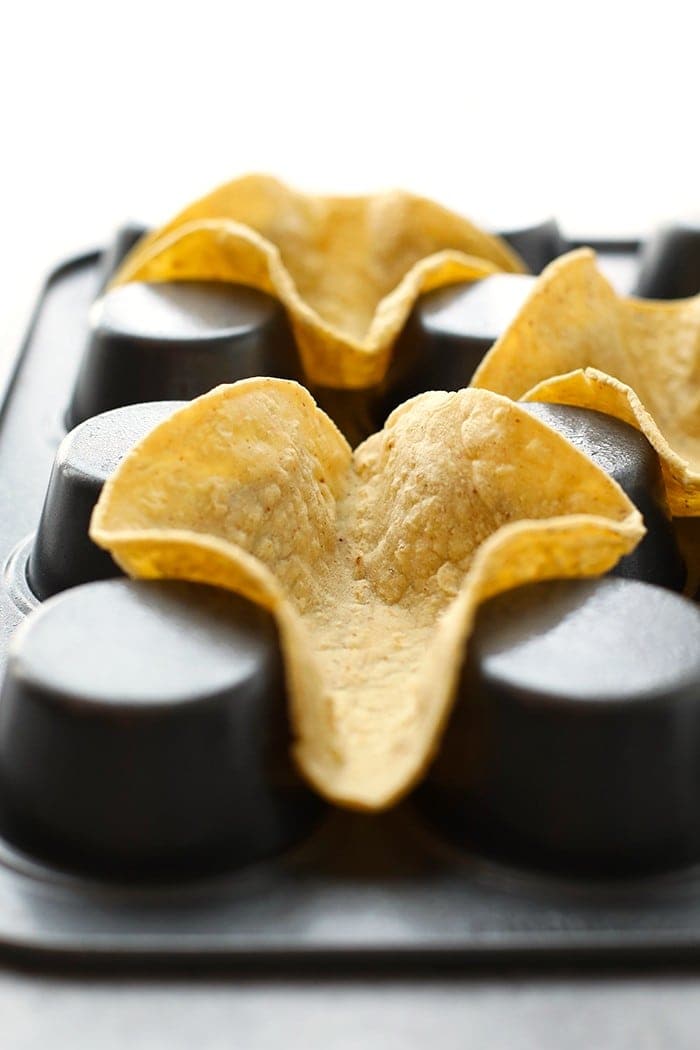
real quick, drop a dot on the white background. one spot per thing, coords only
(502, 110)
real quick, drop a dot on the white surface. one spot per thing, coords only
(317, 1014)
(500, 109)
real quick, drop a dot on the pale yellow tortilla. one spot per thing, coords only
(373, 562)
(576, 342)
(348, 269)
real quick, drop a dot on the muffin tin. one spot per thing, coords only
(148, 807)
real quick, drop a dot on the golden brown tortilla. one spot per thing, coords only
(348, 269)
(576, 342)
(373, 562)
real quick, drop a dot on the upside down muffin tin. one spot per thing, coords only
(148, 806)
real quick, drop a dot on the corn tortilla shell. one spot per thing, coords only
(576, 342)
(373, 562)
(348, 269)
